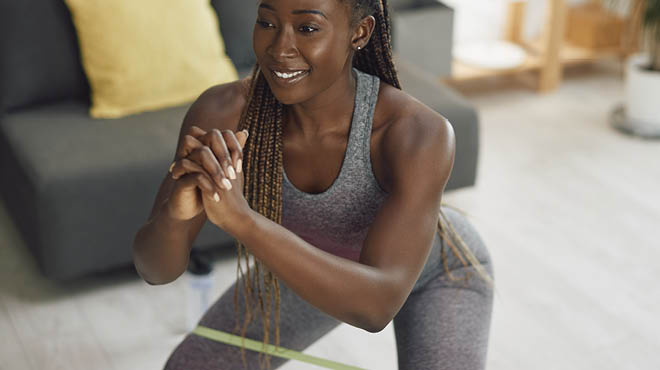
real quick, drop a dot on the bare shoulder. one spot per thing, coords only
(218, 107)
(416, 139)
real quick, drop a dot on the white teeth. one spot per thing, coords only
(288, 75)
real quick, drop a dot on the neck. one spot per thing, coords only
(328, 112)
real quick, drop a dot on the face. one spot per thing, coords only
(303, 46)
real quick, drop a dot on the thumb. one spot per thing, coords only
(242, 137)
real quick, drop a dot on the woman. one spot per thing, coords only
(344, 174)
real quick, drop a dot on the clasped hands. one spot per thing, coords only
(208, 172)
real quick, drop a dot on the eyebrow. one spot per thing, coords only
(298, 11)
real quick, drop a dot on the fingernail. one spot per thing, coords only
(247, 133)
(232, 174)
(227, 184)
(216, 197)
(239, 165)
(172, 166)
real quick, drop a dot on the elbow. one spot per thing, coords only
(377, 318)
(151, 276)
(376, 305)
(147, 279)
(376, 324)
(369, 321)
(382, 310)
(375, 329)
(153, 280)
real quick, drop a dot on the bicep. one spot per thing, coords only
(401, 236)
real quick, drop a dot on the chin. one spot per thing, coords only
(288, 99)
(288, 93)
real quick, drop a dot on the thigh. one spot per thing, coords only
(301, 324)
(445, 323)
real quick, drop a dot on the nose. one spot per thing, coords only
(283, 45)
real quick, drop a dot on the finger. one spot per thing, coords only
(205, 157)
(206, 186)
(186, 166)
(189, 144)
(242, 137)
(235, 150)
(215, 140)
(196, 131)
(202, 182)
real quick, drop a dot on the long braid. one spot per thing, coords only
(263, 163)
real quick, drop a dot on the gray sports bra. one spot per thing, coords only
(337, 220)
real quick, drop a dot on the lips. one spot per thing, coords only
(288, 76)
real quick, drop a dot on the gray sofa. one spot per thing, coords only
(78, 188)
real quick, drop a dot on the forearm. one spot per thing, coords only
(161, 249)
(352, 292)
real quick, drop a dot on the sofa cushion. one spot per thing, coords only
(39, 55)
(138, 61)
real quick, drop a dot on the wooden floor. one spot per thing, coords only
(569, 207)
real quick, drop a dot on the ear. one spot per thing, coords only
(363, 32)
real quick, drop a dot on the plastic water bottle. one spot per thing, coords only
(199, 285)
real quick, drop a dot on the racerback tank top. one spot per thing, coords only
(338, 219)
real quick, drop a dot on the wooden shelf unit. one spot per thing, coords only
(547, 54)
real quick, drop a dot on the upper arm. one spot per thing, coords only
(218, 107)
(420, 154)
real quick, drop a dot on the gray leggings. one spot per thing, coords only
(444, 324)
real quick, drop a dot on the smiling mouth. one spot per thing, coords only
(290, 77)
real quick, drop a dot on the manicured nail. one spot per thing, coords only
(239, 165)
(172, 166)
(216, 197)
(232, 174)
(227, 184)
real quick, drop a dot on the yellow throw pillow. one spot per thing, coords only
(142, 55)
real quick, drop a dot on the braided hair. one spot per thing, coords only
(262, 154)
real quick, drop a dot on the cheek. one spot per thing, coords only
(327, 53)
(257, 42)
(261, 40)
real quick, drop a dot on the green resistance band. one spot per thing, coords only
(235, 340)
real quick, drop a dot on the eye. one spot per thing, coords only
(264, 24)
(308, 29)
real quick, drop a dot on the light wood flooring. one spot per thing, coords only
(569, 207)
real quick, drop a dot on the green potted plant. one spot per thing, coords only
(641, 113)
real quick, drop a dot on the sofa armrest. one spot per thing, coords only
(422, 33)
